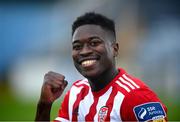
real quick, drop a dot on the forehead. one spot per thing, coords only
(87, 31)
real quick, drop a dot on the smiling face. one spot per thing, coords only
(93, 50)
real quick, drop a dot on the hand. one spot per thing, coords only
(53, 87)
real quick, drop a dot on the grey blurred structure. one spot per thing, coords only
(36, 37)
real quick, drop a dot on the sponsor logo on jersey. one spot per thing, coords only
(149, 111)
(102, 114)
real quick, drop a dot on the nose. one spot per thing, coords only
(86, 50)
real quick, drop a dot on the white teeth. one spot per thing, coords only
(88, 63)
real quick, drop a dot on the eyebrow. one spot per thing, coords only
(76, 41)
(90, 38)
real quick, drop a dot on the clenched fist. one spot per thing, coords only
(53, 87)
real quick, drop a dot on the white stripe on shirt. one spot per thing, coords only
(115, 113)
(84, 106)
(83, 82)
(125, 82)
(72, 98)
(130, 81)
(61, 119)
(123, 86)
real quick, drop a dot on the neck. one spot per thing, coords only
(103, 80)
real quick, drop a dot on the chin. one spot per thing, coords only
(91, 73)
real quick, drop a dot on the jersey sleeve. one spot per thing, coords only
(63, 111)
(142, 105)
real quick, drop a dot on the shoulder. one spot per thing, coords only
(83, 82)
(138, 97)
(127, 84)
(135, 89)
(78, 87)
(142, 105)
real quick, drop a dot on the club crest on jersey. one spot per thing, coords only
(102, 114)
(149, 111)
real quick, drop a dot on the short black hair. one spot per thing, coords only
(94, 19)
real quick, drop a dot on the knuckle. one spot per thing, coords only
(62, 77)
(46, 75)
(50, 73)
(54, 76)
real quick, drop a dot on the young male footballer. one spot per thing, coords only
(107, 93)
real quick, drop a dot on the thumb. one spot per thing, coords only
(65, 84)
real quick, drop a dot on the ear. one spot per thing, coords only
(115, 49)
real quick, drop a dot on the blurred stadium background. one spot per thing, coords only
(35, 37)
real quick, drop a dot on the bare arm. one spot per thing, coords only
(52, 88)
(43, 112)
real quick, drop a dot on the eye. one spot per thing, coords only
(95, 42)
(77, 46)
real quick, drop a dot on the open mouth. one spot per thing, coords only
(88, 63)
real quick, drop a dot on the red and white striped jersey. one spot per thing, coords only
(120, 100)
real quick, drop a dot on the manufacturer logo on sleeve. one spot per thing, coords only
(149, 111)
